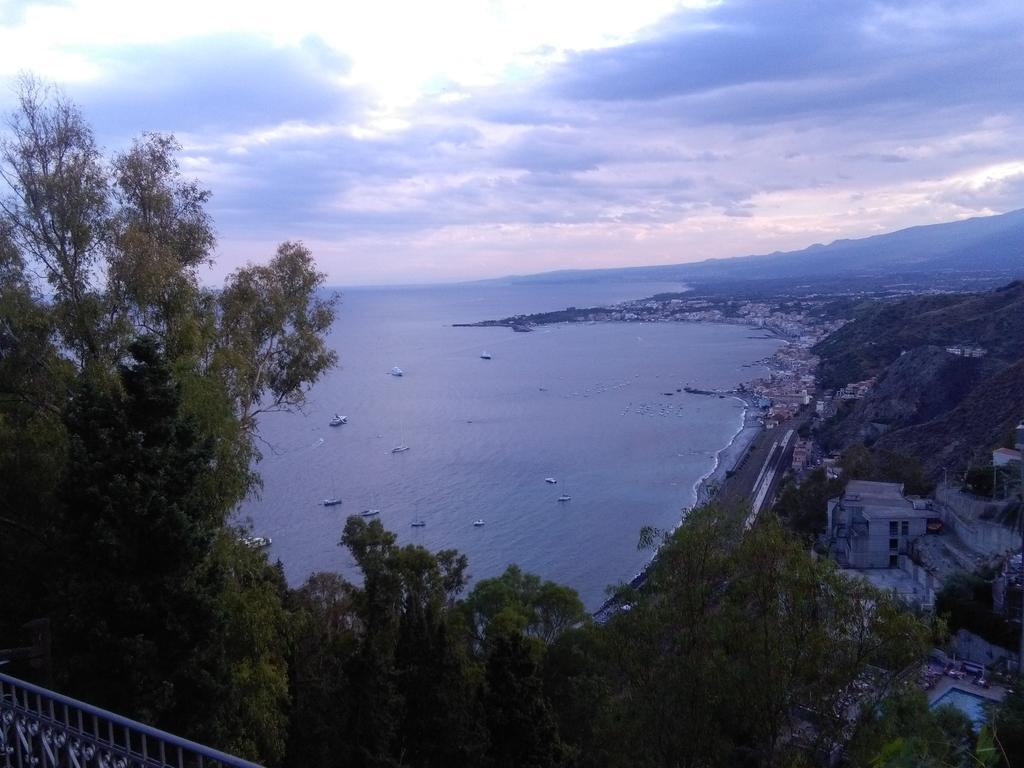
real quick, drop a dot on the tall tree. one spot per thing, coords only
(132, 542)
(128, 403)
(57, 208)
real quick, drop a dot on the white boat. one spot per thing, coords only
(417, 523)
(257, 542)
(401, 447)
(478, 523)
(337, 421)
(332, 502)
(370, 512)
(396, 371)
(485, 355)
(565, 497)
(550, 480)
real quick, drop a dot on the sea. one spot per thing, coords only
(596, 406)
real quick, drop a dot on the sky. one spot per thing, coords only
(409, 141)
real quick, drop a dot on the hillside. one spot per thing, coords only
(944, 409)
(993, 320)
(920, 385)
(983, 420)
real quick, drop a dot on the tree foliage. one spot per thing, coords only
(128, 396)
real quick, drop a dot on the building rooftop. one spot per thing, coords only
(878, 500)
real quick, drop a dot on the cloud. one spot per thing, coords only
(12, 12)
(741, 126)
(216, 85)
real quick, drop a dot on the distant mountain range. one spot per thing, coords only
(988, 245)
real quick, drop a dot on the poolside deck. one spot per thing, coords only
(943, 683)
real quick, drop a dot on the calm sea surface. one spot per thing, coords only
(581, 403)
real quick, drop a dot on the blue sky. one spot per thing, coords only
(409, 142)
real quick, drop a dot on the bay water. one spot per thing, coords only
(593, 405)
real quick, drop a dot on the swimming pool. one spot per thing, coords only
(971, 704)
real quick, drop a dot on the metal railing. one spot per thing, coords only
(43, 729)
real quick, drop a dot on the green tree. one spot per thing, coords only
(522, 602)
(902, 732)
(57, 208)
(129, 397)
(325, 637)
(522, 729)
(733, 637)
(805, 506)
(1008, 728)
(132, 542)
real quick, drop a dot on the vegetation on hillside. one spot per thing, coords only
(883, 330)
(946, 411)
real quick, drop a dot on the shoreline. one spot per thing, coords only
(726, 460)
(704, 490)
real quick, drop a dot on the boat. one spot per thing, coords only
(417, 523)
(565, 497)
(337, 421)
(485, 355)
(401, 447)
(478, 523)
(257, 542)
(370, 512)
(332, 502)
(550, 480)
(396, 371)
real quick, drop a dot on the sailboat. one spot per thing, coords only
(401, 447)
(485, 355)
(565, 496)
(419, 522)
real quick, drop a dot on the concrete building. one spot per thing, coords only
(872, 524)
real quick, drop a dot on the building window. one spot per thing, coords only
(905, 528)
(894, 544)
(893, 528)
(894, 561)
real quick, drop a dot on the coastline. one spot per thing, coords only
(726, 460)
(705, 489)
